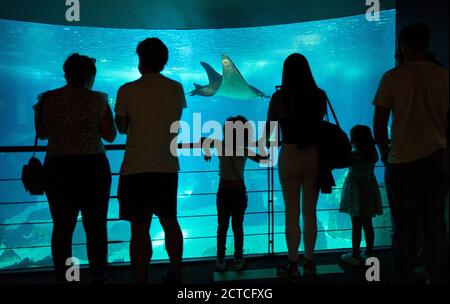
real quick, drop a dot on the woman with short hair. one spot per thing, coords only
(75, 119)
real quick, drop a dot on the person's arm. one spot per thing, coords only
(39, 121)
(182, 97)
(257, 157)
(195, 145)
(122, 120)
(122, 123)
(384, 100)
(380, 129)
(200, 144)
(207, 143)
(107, 127)
(272, 116)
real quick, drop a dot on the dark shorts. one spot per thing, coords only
(144, 194)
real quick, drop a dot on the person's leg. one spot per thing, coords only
(64, 215)
(433, 220)
(64, 222)
(238, 230)
(95, 225)
(95, 214)
(402, 190)
(369, 233)
(223, 220)
(309, 205)
(291, 179)
(356, 236)
(140, 251)
(173, 242)
(291, 194)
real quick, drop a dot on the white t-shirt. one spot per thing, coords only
(417, 94)
(151, 103)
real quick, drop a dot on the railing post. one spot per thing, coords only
(270, 210)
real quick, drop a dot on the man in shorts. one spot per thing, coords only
(145, 110)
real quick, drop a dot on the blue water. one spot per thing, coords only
(347, 57)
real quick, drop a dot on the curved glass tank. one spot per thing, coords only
(347, 56)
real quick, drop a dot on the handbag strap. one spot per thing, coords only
(39, 109)
(332, 112)
(35, 145)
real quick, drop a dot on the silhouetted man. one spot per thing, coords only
(145, 111)
(416, 93)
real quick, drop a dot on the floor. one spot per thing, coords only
(259, 270)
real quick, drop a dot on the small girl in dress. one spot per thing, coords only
(361, 197)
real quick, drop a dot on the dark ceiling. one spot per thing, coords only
(184, 14)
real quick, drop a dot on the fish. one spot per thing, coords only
(230, 84)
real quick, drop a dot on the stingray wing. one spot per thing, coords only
(258, 92)
(213, 76)
(233, 83)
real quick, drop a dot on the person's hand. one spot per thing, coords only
(207, 158)
(266, 157)
(385, 155)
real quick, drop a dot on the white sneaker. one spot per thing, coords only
(221, 265)
(238, 264)
(350, 259)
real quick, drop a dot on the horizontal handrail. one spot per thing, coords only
(13, 149)
(180, 172)
(186, 238)
(179, 217)
(179, 195)
(112, 147)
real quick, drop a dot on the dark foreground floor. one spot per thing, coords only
(259, 270)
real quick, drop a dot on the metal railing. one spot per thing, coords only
(270, 212)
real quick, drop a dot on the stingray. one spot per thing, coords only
(231, 84)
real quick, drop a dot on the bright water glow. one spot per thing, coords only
(347, 57)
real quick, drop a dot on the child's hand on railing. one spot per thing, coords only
(265, 157)
(207, 158)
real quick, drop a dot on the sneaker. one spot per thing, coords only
(350, 259)
(289, 272)
(238, 264)
(309, 271)
(221, 265)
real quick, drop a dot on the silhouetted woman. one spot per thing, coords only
(299, 106)
(75, 119)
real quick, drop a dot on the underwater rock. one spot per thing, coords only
(47, 261)
(9, 256)
(39, 215)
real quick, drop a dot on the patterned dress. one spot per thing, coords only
(71, 119)
(361, 195)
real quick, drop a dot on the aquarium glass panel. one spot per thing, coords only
(347, 55)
